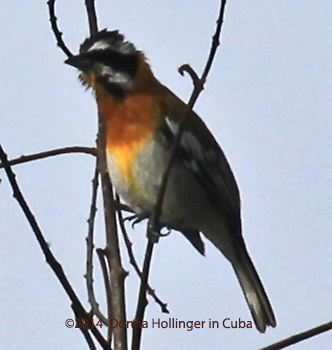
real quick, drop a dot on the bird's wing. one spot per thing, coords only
(200, 152)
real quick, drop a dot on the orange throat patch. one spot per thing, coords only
(130, 124)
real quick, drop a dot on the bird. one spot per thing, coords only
(142, 118)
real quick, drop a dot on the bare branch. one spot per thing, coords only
(89, 252)
(112, 250)
(133, 262)
(57, 33)
(142, 301)
(116, 272)
(88, 338)
(153, 226)
(102, 259)
(299, 337)
(51, 153)
(54, 264)
(198, 87)
(215, 42)
(187, 68)
(92, 17)
(85, 332)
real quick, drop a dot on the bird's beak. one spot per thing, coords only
(81, 62)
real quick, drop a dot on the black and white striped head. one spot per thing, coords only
(107, 59)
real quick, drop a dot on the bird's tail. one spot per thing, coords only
(254, 292)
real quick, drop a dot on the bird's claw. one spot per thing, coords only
(137, 218)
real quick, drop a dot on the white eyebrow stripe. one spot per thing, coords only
(99, 45)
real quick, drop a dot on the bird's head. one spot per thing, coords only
(106, 59)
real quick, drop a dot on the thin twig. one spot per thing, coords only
(142, 301)
(50, 259)
(198, 88)
(92, 16)
(133, 262)
(51, 153)
(95, 310)
(215, 42)
(187, 68)
(102, 260)
(299, 337)
(55, 29)
(154, 226)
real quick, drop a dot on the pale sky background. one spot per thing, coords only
(268, 101)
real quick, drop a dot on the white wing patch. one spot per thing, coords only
(208, 163)
(192, 146)
(173, 126)
(191, 142)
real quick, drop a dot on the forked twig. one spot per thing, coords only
(198, 88)
(153, 226)
(51, 153)
(50, 258)
(55, 29)
(133, 262)
(116, 272)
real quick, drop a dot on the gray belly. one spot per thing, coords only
(184, 199)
